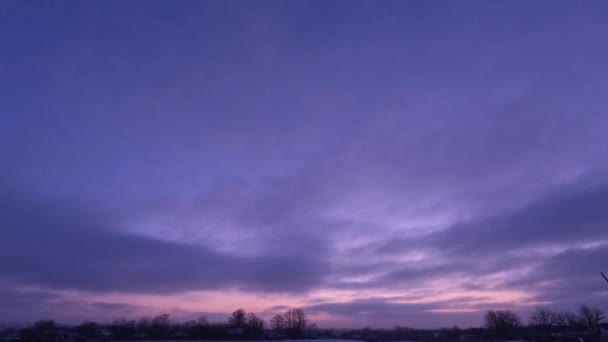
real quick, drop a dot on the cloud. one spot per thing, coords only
(26, 305)
(53, 245)
(568, 278)
(552, 248)
(22, 306)
(267, 156)
(569, 216)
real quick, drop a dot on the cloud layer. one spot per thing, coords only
(376, 164)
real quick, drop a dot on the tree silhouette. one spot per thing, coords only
(88, 330)
(122, 329)
(569, 319)
(238, 319)
(255, 325)
(543, 317)
(545, 320)
(591, 319)
(501, 323)
(296, 322)
(278, 322)
(42, 331)
(585, 322)
(160, 327)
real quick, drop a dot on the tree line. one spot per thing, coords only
(543, 324)
(240, 325)
(546, 324)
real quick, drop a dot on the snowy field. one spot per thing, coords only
(324, 340)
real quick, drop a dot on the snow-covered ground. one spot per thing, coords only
(263, 341)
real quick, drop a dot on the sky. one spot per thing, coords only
(376, 163)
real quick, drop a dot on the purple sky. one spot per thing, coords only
(375, 163)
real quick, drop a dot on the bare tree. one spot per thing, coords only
(122, 329)
(278, 322)
(568, 319)
(43, 329)
(88, 330)
(591, 319)
(544, 320)
(603, 275)
(543, 317)
(160, 327)
(255, 325)
(501, 323)
(238, 319)
(296, 322)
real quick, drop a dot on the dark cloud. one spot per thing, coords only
(64, 248)
(573, 215)
(23, 306)
(569, 278)
(15, 299)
